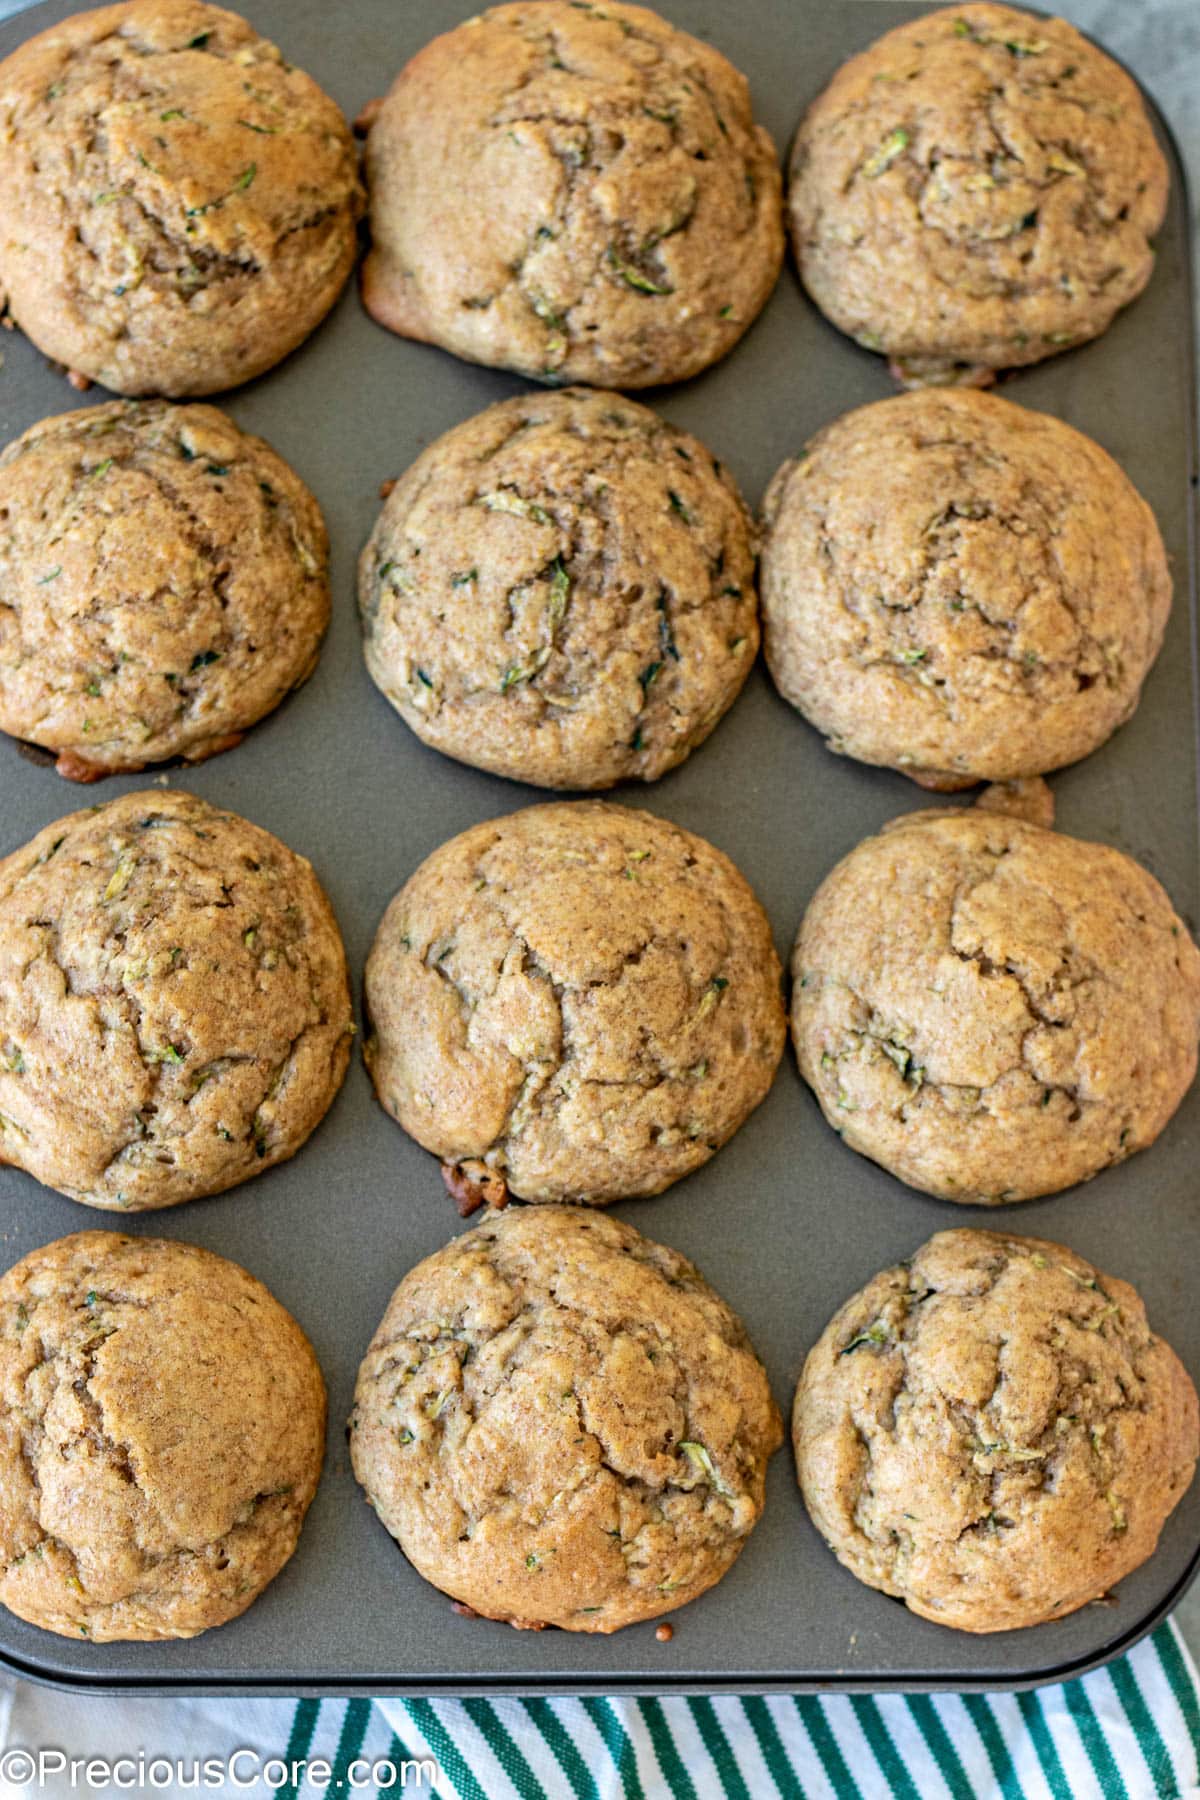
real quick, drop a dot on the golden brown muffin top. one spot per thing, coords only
(162, 1424)
(977, 190)
(993, 1432)
(177, 202)
(581, 997)
(562, 1423)
(165, 579)
(994, 1011)
(561, 590)
(574, 191)
(174, 1007)
(960, 588)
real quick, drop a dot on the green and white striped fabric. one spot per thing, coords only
(1127, 1731)
(1131, 1731)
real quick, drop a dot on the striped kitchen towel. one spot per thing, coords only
(1130, 1731)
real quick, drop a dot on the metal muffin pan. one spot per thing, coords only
(785, 1221)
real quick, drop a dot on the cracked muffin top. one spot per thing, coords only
(580, 999)
(959, 588)
(162, 1425)
(561, 590)
(977, 190)
(994, 1011)
(177, 203)
(576, 192)
(174, 1008)
(165, 581)
(562, 1424)
(992, 1432)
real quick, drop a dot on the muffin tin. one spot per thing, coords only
(785, 1222)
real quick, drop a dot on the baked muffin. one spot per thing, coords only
(578, 1001)
(174, 1009)
(562, 1424)
(994, 1011)
(165, 581)
(1029, 798)
(561, 590)
(979, 189)
(959, 588)
(162, 1425)
(992, 1432)
(177, 203)
(576, 192)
